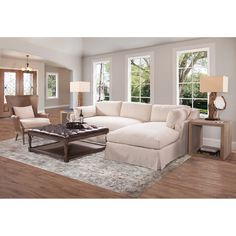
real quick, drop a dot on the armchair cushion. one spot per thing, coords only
(34, 122)
(24, 112)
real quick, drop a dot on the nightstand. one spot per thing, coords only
(64, 114)
(196, 137)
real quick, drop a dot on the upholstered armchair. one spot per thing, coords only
(24, 112)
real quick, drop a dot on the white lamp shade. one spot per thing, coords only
(214, 84)
(79, 86)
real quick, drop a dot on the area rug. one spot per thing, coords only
(93, 169)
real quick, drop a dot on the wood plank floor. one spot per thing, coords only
(18, 180)
(197, 178)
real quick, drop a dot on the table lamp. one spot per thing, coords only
(79, 87)
(213, 84)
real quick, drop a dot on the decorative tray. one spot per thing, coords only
(76, 125)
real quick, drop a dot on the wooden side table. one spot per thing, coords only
(64, 114)
(195, 136)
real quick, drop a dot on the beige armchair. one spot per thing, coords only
(24, 116)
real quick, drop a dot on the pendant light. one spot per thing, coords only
(27, 69)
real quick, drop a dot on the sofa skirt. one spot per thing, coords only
(145, 157)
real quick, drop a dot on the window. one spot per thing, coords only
(102, 81)
(139, 79)
(52, 85)
(9, 84)
(28, 81)
(191, 66)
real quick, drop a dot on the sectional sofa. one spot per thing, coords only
(141, 134)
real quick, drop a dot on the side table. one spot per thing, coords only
(196, 136)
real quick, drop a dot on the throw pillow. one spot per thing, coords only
(176, 117)
(24, 112)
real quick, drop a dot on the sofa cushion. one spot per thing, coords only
(139, 111)
(160, 112)
(176, 117)
(24, 112)
(34, 122)
(153, 135)
(111, 122)
(108, 108)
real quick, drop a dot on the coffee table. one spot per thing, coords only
(66, 145)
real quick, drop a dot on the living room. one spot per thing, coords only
(121, 116)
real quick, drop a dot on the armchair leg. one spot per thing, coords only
(23, 138)
(17, 136)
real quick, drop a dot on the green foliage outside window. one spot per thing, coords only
(191, 66)
(52, 85)
(140, 79)
(102, 77)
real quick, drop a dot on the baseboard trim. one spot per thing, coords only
(216, 142)
(58, 106)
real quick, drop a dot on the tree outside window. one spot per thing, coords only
(191, 66)
(52, 85)
(102, 81)
(139, 79)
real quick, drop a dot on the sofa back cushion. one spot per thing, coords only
(139, 111)
(160, 112)
(87, 111)
(24, 112)
(108, 108)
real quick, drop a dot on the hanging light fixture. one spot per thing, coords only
(27, 69)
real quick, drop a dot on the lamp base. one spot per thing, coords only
(212, 111)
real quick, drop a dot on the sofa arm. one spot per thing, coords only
(87, 111)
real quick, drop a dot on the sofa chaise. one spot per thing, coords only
(141, 134)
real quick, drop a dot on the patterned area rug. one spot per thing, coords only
(93, 169)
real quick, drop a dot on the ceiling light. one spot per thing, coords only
(27, 69)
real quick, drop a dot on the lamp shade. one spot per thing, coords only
(214, 84)
(79, 86)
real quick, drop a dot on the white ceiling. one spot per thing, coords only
(93, 46)
(67, 45)
(88, 46)
(21, 55)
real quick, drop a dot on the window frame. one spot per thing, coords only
(210, 48)
(128, 74)
(97, 61)
(211, 64)
(57, 85)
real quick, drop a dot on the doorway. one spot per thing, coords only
(15, 82)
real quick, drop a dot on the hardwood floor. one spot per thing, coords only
(197, 178)
(18, 180)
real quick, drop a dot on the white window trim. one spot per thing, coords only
(211, 64)
(127, 74)
(96, 61)
(57, 83)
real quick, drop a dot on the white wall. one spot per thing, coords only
(64, 77)
(222, 62)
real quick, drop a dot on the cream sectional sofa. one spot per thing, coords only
(141, 134)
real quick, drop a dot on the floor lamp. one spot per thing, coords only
(80, 87)
(213, 84)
